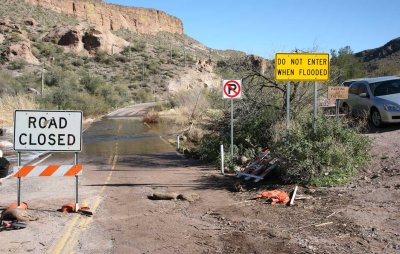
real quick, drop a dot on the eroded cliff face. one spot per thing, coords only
(114, 17)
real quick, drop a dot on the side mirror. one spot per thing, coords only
(363, 95)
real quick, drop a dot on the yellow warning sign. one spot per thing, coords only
(338, 92)
(302, 66)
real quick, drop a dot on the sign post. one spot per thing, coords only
(302, 67)
(338, 93)
(56, 131)
(287, 106)
(232, 89)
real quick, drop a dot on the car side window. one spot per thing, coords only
(354, 89)
(363, 89)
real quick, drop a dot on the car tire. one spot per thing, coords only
(346, 109)
(376, 118)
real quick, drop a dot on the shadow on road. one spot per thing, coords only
(386, 128)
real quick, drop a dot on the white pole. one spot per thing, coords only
(19, 181)
(222, 160)
(177, 140)
(76, 161)
(293, 196)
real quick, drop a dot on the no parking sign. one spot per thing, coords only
(232, 89)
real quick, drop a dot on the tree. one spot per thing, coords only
(346, 64)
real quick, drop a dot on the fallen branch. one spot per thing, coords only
(323, 224)
(330, 215)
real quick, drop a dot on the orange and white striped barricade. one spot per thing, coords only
(51, 170)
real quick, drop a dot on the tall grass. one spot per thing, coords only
(9, 103)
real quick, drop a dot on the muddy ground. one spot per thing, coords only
(361, 217)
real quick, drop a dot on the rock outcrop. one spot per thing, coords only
(90, 40)
(20, 51)
(114, 17)
(389, 48)
(21, 48)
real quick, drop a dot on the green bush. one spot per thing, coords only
(91, 83)
(17, 65)
(327, 158)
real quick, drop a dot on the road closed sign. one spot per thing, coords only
(302, 66)
(47, 130)
(232, 89)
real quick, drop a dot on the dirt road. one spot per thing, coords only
(126, 161)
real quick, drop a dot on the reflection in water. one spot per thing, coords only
(132, 135)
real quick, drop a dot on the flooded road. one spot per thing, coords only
(132, 135)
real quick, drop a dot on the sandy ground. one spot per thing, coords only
(362, 217)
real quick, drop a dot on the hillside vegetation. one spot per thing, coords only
(93, 81)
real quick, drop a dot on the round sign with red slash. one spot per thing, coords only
(232, 89)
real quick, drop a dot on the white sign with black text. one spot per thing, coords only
(36, 130)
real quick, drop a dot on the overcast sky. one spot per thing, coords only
(263, 27)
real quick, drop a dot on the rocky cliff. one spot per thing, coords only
(388, 49)
(114, 17)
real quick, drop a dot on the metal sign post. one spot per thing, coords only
(231, 130)
(315, 106)
(287, 107)
(76, 162)
(19, 181)
(232, 89)
(222, 160)
(337, 109)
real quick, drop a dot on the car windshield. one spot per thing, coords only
(385, 87)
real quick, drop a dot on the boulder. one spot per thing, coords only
(164, 196)
(18, 214)
(4, 167)
(5, 144)
(30, 22)
(32, 90)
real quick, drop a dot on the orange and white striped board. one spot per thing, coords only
(51, 170)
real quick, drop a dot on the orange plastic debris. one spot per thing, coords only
(276, 196)
(23, 205)
(70, 208)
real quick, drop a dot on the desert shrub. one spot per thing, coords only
(151, 117)
(329, 157)
(78, 62)
(91, 82)
(17, 65)
(138, 46)
(103, 57)
(47, 49)
(142, 95)
(9, 85)
(66, 99)
(9, 103)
